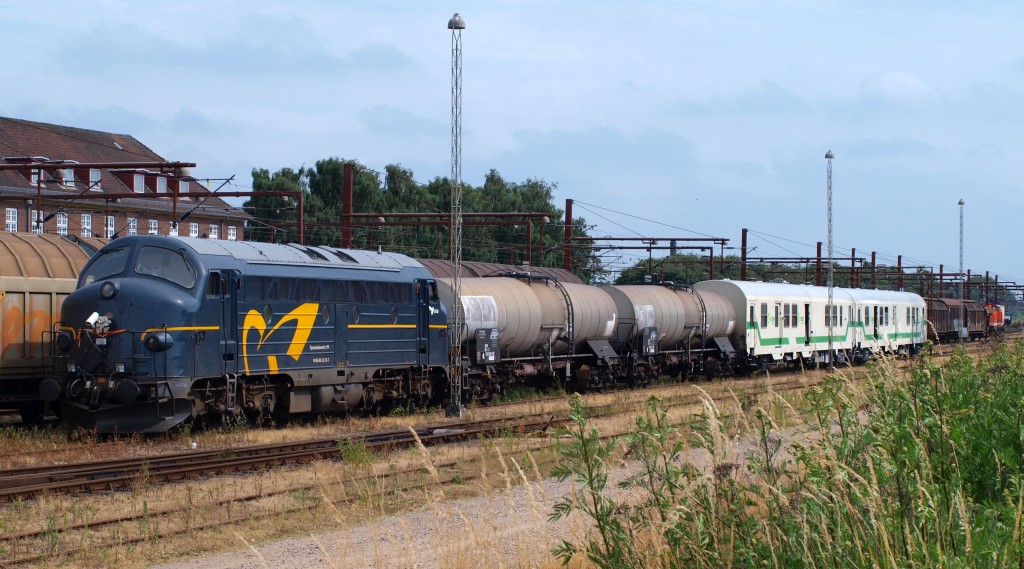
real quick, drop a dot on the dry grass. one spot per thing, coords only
(333, 496)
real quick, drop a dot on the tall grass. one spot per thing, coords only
(919, 469)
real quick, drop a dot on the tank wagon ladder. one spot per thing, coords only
(570, 319)
(703, 323)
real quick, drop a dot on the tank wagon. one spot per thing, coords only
(37, 272)
(164, 329)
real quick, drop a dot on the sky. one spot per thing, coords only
(659, 119)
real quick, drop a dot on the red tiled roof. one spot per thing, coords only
(21, 138)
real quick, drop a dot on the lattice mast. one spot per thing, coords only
(456, 318)
(831, 310)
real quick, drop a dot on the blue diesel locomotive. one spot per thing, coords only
(166, 329)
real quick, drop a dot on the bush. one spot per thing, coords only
(920, 470)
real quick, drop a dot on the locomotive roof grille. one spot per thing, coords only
(294, 254)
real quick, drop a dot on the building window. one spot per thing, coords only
(94, 178)
(193, 230)
(183, 187)
(214, 232)
(133, 226)
(154, 227)
(12, 220)
(62, 223)
(161, 185)
(34, 176)
(37, 222)
(140, 183)
(69, 178)
(108, 228)
(232, 233)
(86, 225)
(172, 229)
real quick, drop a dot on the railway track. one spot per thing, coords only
(32, 545)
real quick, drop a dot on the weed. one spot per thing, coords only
(354, 452)
(917, 471)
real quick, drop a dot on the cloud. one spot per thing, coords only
(386, 120)
(767, 97)
(899, 88)
(261, 46)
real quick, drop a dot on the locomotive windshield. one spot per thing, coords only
(106, 264)
(165, 264)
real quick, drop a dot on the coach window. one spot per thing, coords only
(167, 265)
(886, 315)
(764, 315)
(106, 264)
(785, 316)
(751, 313)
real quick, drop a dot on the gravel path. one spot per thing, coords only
(506, 529)
(445, 534)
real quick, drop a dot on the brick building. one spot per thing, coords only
(104, 201)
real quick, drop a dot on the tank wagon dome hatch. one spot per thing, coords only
(295, 254)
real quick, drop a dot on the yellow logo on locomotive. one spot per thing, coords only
(304, 317)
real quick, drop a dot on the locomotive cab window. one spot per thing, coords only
(106, 264)
(167, 265)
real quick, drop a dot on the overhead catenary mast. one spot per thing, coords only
(455, 409)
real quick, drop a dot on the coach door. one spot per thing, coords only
(807, 324)
(779, 322)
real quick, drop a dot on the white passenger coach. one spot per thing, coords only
(788, 324)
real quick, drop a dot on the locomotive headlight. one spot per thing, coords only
(65, 341)
(108, 290)
(72, 368)
(158, 341)
(119, 367)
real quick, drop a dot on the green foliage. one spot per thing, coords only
(354, 452)
(584, 460)
(918, 471)
(396, 191)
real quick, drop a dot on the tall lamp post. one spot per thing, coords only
(963, 306)
(455, 409)
(831, 309)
